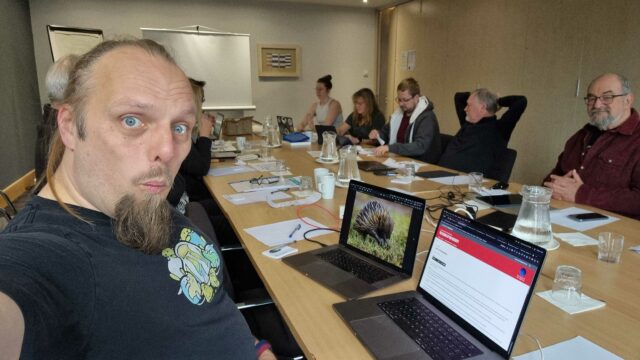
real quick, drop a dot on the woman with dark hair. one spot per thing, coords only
(366, 116)
(326, 111)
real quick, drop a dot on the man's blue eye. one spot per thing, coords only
(131, 122)
(180, 129)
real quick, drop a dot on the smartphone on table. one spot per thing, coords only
(587, 217)
(385, 172)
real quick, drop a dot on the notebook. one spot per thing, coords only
(475, 288)
(378, 241)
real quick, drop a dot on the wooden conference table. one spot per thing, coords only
(307, 306)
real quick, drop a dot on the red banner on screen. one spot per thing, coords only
(496, 260)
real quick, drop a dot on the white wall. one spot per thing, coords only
(336, 40)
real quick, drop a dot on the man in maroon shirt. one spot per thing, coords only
(600, 164)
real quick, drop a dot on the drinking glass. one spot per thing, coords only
(567, 285)
(610, 247)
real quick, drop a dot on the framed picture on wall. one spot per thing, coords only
(65, 40)
(278, 60)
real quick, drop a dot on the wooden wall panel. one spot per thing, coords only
(539, 49)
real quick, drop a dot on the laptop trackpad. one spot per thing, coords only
(383, 337)
(326, 272)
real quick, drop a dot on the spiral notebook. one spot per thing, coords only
(378, 242)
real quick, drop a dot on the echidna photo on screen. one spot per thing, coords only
(374, 220)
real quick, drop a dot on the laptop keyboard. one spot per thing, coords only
(428, 330)
(359, 268)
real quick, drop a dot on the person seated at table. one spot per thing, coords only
(98, 265)
(600, 164)
(326, 111)
(365, 117)
(413, 129)
(55, 82)
(189, 183)
(198, 162)
(482, 137)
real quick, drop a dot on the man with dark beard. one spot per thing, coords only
(98, 265)
(600, 164)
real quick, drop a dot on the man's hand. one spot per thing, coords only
(374, 134)
(354, 140)
(267, 355)
(565, 187)
(206, 124)
(381, 150)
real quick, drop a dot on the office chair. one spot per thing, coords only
(10, 209)
(255, 304)
(4, 218)
(444, 141)
(503, 165)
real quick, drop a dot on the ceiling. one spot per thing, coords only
(372, 4)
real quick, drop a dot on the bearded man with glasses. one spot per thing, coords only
(600, 164)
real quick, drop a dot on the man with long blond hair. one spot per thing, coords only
(98, 265)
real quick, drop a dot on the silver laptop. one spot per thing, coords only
(469, 304)
(378, 241)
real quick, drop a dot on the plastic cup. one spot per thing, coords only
(318, 173)
(610, 247)
(241, 141)
(567, 285)
(306, 186)
(409, 171)
(328, 186)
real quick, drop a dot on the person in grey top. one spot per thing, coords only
(413, 130)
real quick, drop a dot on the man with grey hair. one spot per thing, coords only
(98, 265)
(56, 83)
(600, 164)
(482, 137)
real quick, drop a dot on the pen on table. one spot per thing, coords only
(295, 230)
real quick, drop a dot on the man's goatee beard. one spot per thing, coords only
(143, 225)
(602, 124)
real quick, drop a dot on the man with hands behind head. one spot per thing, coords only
(98, 265)
(600, 164)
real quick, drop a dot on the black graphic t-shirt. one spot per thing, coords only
(85, 295)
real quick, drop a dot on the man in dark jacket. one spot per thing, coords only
(413, 129)
(482, 137)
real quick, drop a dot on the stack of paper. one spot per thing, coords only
(285, 232)
(586, 303)
(576, 348)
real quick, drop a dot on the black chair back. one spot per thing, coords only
(503, 165)
(198, 216)
(444, 141)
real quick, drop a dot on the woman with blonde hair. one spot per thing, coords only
(366, 116)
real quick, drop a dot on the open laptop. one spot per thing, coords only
(377, 247)
(340, 140)
(470, 302)
(320, 129)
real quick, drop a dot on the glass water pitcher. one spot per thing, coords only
(266, 125)
(534, 223)
(273, 136)
(348, 169)
(329, 151)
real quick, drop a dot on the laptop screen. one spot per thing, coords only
(382, 224)
(483, 276)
